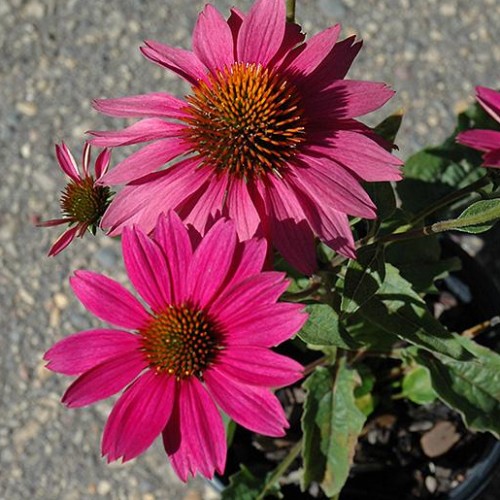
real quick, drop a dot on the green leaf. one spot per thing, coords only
(230, 426)
(245, 486)
(399, 310)
(477, 218)
(417, 386)
(389, 127)
(331, 423)
(363, 278)
(472, 387)
(324, 329)
(382, 194)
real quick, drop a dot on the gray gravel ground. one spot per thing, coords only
(55, 56)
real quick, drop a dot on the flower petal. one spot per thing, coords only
(67, 162)
(63, 241)
(492, 159)
(146, 268)
(484, 140)
(258, 366)
(346, 99)
(212, 39)
(139, 416)
(211, 262)
(262, 31)
(183, 62)
(85, 350)
(144, 161)
(142, 203)
(490, 101)
(194, 437)
(172, 236)
(145, 130)
(105, 379)
(102, 163)
(155, 104)
(252, 407)
(265, 326)
(108, 300)
(314, 52)
(241, 209)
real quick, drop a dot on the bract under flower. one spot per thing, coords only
(202, 342)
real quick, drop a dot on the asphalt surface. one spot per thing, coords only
(55, 56)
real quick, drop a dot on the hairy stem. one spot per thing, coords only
(290, 11)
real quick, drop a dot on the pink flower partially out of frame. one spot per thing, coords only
(83, 202)
(268, 136)
(203, 340)
(487, 141)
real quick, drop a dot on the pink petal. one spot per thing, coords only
(194, 438)
(330, 225)
(211, 263)
(108, 300)
(142, 203)
(144, 161)
(201, 208)
(105, 379)
(332, 185)
(490, 101)
(86, 159)
(291, 233)
(63, 241)
(262, 32)
(248, 260)
(172, 236)
(53, 222)
(156, 104)
(293, 37)
(266, 325)
(183, 62)
(258, 366)
(361, 155)
(252, 407)
(484, 140)
(139, 416)
(146, 268)
(240, 299)
(241, 209)
(492, 159)
(85, 350)
(67, 162)
(347, 99)
(212, 40)
(145, 130)
(314, 52)
(234, 22)
(335, 65)
(102, 163)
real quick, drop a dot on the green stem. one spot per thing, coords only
(449, 199)
(281, 469)
(318, 362)
(290, 11)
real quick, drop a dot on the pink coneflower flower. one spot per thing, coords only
(268, 135)
(203, 340)
(487, 141)
(83, 202)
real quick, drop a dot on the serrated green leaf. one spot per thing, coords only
(331, 424)
(417, 386)
(363, 278)
(324, 329)
(477, 218)
(472, 387)
(399, 310)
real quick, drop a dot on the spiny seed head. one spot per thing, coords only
(245, 120)
(85, 203)
(181, 341)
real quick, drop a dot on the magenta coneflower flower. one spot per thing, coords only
(268, 135)
(83, 202)
(487, 141)
(203, 340)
